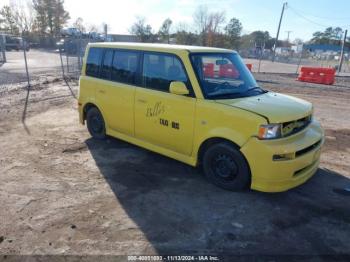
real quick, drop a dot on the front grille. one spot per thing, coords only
(307, 149)
(293, 127)
(300, 171)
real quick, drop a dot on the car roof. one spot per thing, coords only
(160, 47)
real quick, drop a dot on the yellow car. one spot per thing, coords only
(203, 107)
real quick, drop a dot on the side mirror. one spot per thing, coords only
(178, 88)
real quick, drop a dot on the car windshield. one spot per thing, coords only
(224, 76)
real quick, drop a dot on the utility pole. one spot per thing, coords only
(278, 31)
(105, 31)
(342, 52)
(288, 33)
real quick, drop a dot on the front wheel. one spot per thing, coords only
(226, 167)
(96, 123)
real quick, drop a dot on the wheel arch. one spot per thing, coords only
(211, 141)
(215, 140)
(88, 106)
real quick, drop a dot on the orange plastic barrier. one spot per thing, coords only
(209, 70)
(250, 66)
(228, 70)
(317, 75)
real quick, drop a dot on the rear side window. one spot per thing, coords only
(93, 62)
(107, 64)
(125, 66)
(159, 70)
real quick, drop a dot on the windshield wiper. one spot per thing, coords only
(255, 88)
(223, 95)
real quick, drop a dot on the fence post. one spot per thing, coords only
(3, 48)
(341, 59)
(25, 60)
(67, 61)
(299, 62)
(261, 56)
(62, 66)
(78, 56)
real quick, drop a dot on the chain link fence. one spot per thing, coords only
(71, 52)
(24, 66)
(2, 50)
(27, 66)
(290, 62)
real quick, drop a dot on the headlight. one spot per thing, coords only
(270, 131)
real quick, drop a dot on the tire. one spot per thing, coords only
(226, 167)
(96, 123)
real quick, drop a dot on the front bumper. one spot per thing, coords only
(302, 153)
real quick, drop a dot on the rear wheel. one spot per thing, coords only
(95, 123)
(226, 167)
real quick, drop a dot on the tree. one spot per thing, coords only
(93, 28)
(79, 24)
(298, 41)
(186, 38)
(23, 14)
(9, 22)
(208, 25)
(215, 22)
(141, 30)
(164, 31)
(50, 15)
(330, 35)
(233, 32)
(257, 39)
(200, 19)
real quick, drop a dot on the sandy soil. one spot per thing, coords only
(65, 193)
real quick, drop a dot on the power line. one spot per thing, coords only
(309, 20)
(321, 17)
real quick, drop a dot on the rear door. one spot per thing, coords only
(162, 118)
(119, 71)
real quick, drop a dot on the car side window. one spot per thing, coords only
(125, 66)
(107, 64)
(93, 62)
(159, 70)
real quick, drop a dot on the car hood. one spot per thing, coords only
(277, 108)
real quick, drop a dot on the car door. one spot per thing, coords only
(162, 118)
(119, 70)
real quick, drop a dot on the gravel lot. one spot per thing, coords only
(42, 64)
(65, 193)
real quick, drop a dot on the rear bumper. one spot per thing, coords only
(302, 159)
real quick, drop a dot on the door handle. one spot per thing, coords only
(142, 101)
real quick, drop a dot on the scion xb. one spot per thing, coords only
(203, 107)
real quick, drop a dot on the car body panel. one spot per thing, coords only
(276, 107)
(177, 126)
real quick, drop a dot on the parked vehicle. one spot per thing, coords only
(60, 45)
(71, 32)
(167, 99)
(15, 43)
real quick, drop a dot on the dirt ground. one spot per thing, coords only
(65, 193)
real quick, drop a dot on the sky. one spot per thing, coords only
(302, 17)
